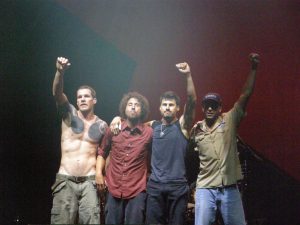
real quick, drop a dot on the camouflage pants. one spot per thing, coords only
(75, 199)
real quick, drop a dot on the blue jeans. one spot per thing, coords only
(125, 211)
(227, 200)
(166, 203)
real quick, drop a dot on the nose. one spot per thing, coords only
(209, 108)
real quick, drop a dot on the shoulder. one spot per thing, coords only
(99, 126)
(236, 112)
(145, 127)
(197, 128)
(66, 111)
(155, 123)
(146, 130)
(101, 122)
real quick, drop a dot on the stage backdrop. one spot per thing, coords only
(215, 38)
(117, 46)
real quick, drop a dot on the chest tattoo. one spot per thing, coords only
(96, 131)
(77, 124)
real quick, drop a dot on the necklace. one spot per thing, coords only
(162, 132)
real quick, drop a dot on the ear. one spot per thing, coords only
(220, 109)
(95, 101)
(177, 108)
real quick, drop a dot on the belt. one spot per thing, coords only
(225, 187)
(76, 179)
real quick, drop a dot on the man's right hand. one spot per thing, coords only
(254, 59)
(62, 64)
(115, 125)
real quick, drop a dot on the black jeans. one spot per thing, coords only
(166, 203)
(125, 211)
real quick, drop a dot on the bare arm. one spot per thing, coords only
(250, 82)
(115, 125)
(188, 116)
(57, 89)
(100, 165)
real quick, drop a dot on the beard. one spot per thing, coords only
(134, 120)
(168, 118)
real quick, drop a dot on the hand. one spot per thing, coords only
(100, 181)
(254, 59)
(196, 125)
(115, 125)
(62, 64)
(183, 68)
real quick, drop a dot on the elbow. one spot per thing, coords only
(56, 96)
(247, 93)
(192, 99)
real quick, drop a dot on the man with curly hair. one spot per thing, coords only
(127, 170)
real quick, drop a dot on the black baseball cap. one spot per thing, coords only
(212, 97)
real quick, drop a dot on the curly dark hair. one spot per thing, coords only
(93, 92)
(170, 95)
(145, 109)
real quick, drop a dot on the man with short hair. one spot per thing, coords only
(216, 141)
(167, 186)
(74, 192)
(126, 173)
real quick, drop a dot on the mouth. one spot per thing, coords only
(209, 114)
(132, 113)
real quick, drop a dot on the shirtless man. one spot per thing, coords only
(74, 191)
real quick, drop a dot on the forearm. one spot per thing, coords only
(100, 165)
(57, 88)
(189, 109)
(190, 88)
(250, 83)
(247, 89)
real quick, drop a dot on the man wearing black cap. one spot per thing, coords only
(220, 169)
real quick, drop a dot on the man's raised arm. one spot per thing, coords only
(250, 82)
(62, 64)
(189, 109)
